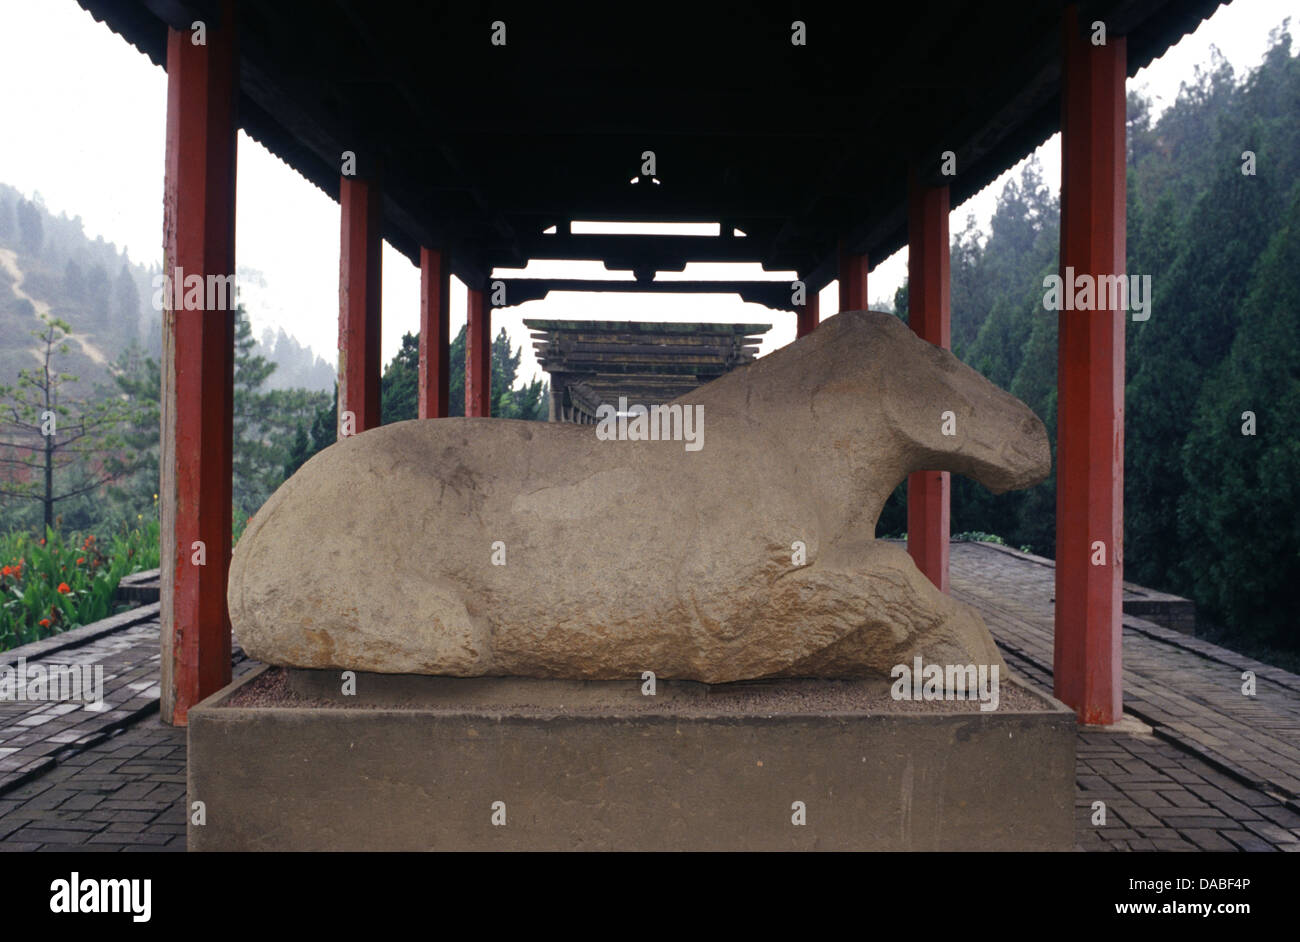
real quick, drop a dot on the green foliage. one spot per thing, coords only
(401, 382)
(978, 536)
(31, 228)
(1239, 509)
(311, 438)
(238, 524)
(56, 583)
(266, 422)
(55, 446)
(1203, 256)
(138, 378)
(399, 388)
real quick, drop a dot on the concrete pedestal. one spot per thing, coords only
(423, 763)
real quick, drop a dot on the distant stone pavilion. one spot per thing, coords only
(594, 362)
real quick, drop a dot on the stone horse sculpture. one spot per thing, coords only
(471, 547)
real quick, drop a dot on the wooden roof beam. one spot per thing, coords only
(773, 294)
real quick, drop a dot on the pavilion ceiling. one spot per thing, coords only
(484, 147)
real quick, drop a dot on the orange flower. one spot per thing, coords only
(42, 541)
(8, 571)
(64, 587)
(45, 623)
(80, 560)
(90, 539)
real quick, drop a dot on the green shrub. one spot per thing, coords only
(58, 582)
(978, 536)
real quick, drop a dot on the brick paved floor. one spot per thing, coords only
(107, 779)
(1196, 765)
(127, 793)
(34, 732)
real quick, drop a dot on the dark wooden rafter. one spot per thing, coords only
(773, 294)
(397, 74)
(658, 252)
(818, 244)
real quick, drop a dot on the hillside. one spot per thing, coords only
(49, 265)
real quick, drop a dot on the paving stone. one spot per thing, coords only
(65, 824)
(82, 801)
(119, 814)
(1244, 840)
(1181, 798)
(1270, 832)
(47, 836)
(1184, 823)
(1172, 813)
(1147, 798)
(1185, 776)
(134, 790)
(1283, 817)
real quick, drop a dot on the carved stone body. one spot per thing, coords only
(628, 556)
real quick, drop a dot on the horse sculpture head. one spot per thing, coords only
(863, 401)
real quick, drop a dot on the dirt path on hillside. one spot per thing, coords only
(9, 262)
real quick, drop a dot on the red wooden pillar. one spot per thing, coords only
(478, 356)
(809, 315)
(929, 289)
(853, 280)
(197, 366)
(435, 285)
(1090, 382)
(360, 259)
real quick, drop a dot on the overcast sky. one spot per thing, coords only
(83, 125)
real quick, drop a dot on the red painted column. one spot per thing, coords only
(809, 315)
(1090, 382)
(853, 280)
(359, 284)
(478, 356)
(929, 289)
(197, 366)
(435, 285)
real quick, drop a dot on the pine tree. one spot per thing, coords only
(8, 225)
(126, 300)
(31, 229)
(57, 446)
(266, 422)
(1239, 512)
